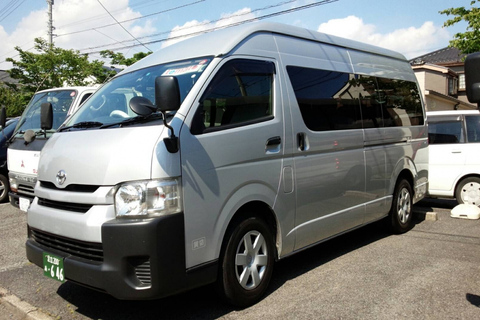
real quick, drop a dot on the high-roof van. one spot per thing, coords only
(29, 138)
(211, 159)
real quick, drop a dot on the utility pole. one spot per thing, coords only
(50, 22)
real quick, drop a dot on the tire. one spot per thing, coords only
(4, 186)
(401, 211)
(468, 191)
(247, 263)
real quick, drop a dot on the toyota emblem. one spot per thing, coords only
(61, 177)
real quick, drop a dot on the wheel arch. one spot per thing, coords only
(250, 209)
(459, 180)
(405, 169)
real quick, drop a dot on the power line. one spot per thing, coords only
(101, 16)
(123, 26)
(132, 19)
(307, 6)
(220, 19)
(201, 24)
(7, 13)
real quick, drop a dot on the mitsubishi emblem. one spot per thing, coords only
(61, 177)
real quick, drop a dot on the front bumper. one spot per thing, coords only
(15, 198)
(142, 259)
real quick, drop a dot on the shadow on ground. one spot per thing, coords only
(203, 303)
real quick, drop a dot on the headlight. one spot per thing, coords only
(148, 198)
(13, 184)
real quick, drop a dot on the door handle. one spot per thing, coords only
(301, 141)
(274, 141)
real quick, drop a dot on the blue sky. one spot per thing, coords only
(412, 27)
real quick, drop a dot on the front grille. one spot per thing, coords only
(81, 249)
(25, 189)
(67, 206)
(72, 187)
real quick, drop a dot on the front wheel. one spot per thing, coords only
(4, 186)
(401, 211)
(247, 263)
(468, 191)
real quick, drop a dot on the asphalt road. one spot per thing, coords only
(431, 272)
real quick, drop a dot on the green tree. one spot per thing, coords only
(119, 59)
(48, 67)
(52, 67)
(13, 100)
(468, 41)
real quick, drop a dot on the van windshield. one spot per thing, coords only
(110, 104)
(61, 101)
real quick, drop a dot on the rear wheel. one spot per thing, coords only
(247, 263)
(468, 191)
(401, 211)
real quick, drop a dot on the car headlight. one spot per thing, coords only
(13, 184)
(148, 198)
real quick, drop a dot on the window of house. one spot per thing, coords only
(241, 93)
(461, 81)
(452, 86)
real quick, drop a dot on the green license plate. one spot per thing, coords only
(53, 267)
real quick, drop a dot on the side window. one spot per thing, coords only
(371, 102)
(241, 93)
(85, 96)
(328, 100)
(473, 128)
(445, 132)
(401, 102)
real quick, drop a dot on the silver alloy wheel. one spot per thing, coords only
(251, 260)
(470, 193)
(404, 205)
(3, 189)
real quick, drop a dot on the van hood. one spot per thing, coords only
(102, 157)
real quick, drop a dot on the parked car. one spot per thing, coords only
(454, 155)
(269, 134)
(29, 138)
(4, 136)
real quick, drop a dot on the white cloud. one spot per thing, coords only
(192, 28)
(85, 14)
(412, 41)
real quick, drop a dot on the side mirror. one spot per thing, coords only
(46, 116)
(472, 77)
(3, 117)
(141, 106)
(167, 94)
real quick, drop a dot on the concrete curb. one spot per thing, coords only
(19, 306)
(423, 214)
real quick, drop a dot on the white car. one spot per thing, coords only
(454, 155)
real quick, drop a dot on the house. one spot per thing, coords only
(5, 78)
(441, 76)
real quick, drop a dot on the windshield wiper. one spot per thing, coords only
(83, 125)
(137, 119)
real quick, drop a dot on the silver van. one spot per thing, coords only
(214, 157)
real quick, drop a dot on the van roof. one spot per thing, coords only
(222, 42)
(77, 88)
